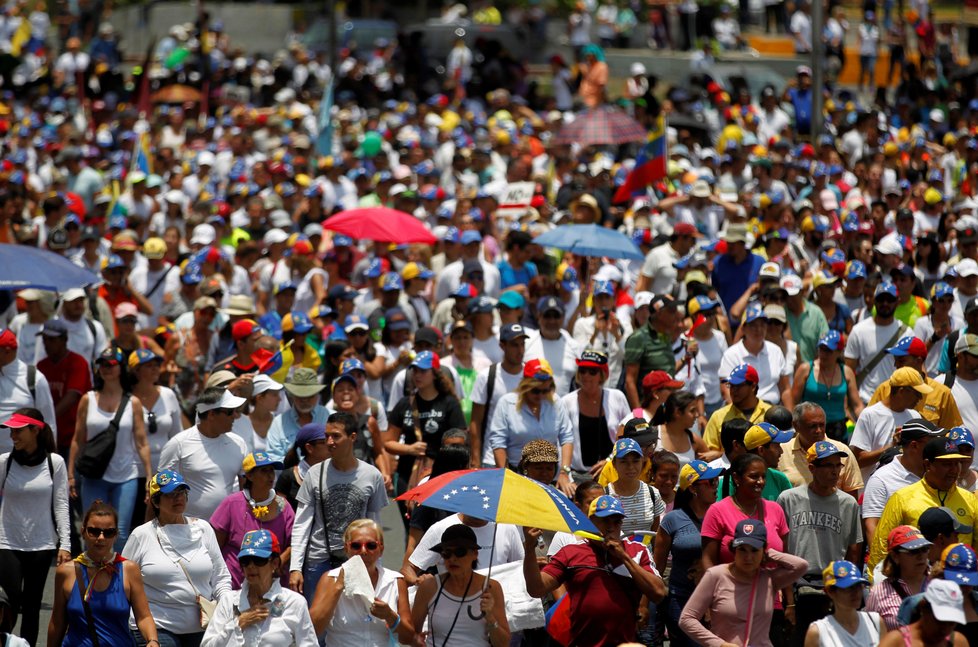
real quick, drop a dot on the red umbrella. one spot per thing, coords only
(602, 126)
(381, 224)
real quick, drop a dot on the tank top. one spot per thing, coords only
(596, 445)
(305, 298)
(124, 465)
(832, 634)
(831, 399)
(468, 632)
(110, 610)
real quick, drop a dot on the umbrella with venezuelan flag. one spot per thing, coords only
(503, 496)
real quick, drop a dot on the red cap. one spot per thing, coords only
(917, 347)
(685, 229)
(660, 380)
(212, 256)
(19, 420)
(538, 369)
(302, 247)
(243, 329)
(8, 339)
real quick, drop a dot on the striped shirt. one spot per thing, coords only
(641, 508)
(885, 600)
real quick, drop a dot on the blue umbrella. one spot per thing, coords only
(24, 267)
(590, 240)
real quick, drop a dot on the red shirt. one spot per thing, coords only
(602, 602)
(70, 374)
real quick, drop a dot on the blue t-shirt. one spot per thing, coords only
(801, 100)
(731, 279)
(686, 551)
(510, 276)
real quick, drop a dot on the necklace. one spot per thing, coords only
(752, 514)
(259, 508)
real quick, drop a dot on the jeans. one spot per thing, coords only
(121, 496)
(22, 575)
(169, 639)
(311, 574)
(677, 638)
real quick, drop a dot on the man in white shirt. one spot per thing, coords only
(451, 276)
(154, 279)
(85, 336)
(964, 384)
(659, 273)
(774, 384)
(554, 343)
(16, 391)
(506, 377)
(866, 349)
(878, 423)
(801, 28)
(206, 455)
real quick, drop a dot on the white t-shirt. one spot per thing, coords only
(161, 282)
(209, 465)
(562, 353)
(883, 484)
(875, 427)
(965, 393)
(769, 363)
(707, 364)
(489, 347)
(865, 340)
(15, 393)
(25, 521)
(658, 267)
(509, 544)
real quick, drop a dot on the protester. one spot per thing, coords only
(844, 585)
(904, 573)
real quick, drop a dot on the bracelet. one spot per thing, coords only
(492, 625)
(789, 606)
(397, 621)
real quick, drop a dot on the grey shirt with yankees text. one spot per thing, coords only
(822, 527)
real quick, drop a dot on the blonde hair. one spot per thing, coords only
(526, 385)
(360, 524)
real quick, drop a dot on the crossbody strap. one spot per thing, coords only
(6, 473)
(159, 282)
(89, 618)
(490, 387)
(177, 561)
(866, 370)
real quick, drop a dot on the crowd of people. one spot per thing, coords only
(767, 412)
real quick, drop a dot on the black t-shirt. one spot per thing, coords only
(437, 417)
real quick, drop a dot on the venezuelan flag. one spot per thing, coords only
(650, 165)
(558, 621)
(503, 496)
(274, 364)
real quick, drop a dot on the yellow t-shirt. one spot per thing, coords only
(711, 435)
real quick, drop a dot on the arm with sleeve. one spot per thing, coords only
(305, 518)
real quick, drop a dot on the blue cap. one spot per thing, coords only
(824, 449)
(259, 459)
(941, 289)
(831, 340)
(309, 433)
(451, 235)
(886, 287)
(374, 269)
(350, 365)
(286, 285)
(476, 214)
(512, 300)
(906, 347)
(191, 274)
(470, 236)
(348, 377)
(743, 373)
(301, 323)
(750, 532)
(754, 312)
(137, 357)
(841, 574)
(342, 291)
(112, 262)
(856, 270)
(392, 281)
(626, 446)
(604, 287)
(396, 319)
(426, 360)
(464, 291)
(259, 543)
(569, 280)
(481, 305)
(118, 222)
(165, 482)
(762, 433)
(355, 322)
(961, 565)
(606, 506)
(961, 436)
(549, 303)
(342, 240)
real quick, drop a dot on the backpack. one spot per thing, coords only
(6, 473)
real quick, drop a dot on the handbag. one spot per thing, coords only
(205, 605)
(97, 453)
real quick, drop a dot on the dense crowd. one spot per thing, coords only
(764, 398)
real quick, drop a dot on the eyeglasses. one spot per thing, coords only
(94, 532)
(539, 391)
(151, 422)
(588, 370)
(128, 320)
(356, 333)
(458, 551)
(248, 560)
(369, 545)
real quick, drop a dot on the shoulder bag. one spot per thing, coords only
(206, 605)
(866, 370)
(97, 453)
(89, 618)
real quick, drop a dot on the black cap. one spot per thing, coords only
(641, 432)
(552, 303)
(940, 521)
(917, 429)
(427, 335)
(941, 448)
(457, 535)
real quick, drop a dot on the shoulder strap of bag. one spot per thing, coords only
(159, 282)
(866, 370)
(117, 418)
(750, 609)
(89, 618)
(91, 329)
(32, 382)
(490, 387)
(949, 379)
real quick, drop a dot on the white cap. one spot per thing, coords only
(609, 272)
(206, 158)
(966, 267)
(78, 293)
(643, 299)
(946, 601)
(262, 383)
(312, 229)
(228, 401)
(273, 236)
(637, 69)
(771, 270)
(174, 196)
(791, 283)
(828, 199)
(203, 234)
(889, 246)
(937, 115)
(397, 189)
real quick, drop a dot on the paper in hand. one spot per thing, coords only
(356, 582)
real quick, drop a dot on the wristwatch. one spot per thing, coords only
(566, 469)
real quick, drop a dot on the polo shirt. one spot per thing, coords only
(794, 465)
(711, 435)
(908, 503)
(939, 406)
(807, 328)
(603, 597)
(769, 363)
(883, 484)
(651, 350)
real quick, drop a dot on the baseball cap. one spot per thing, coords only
(639, 430)
(511, 300)
(481, 305)
(966, 343)
(770, 270)
(763, 433)
(966, 267)
(907, 538)
(464, 291)
(842, 575)
(885, 287)
(262, 383)
(391, 282)
(831, 340)
(696, 470)
(941, 448)
(286, 285)
(54, 328)
(259, 543)
(960, 563)
(961, 436)
(940, 521)
(605, 506)
(856, 270)
(626, 446)
(775, 312)
(310, 432)
(791, 284)
(244, 329)
(112, 262)
(918, 429)
(604, 287)
(941, 289)
(396, 319)
(259, 459)
(655, 380)
(470, 236)
(513, 331)
(550, 303)
(594, 359)
(946, 601)
(142, 356)
(700, 303)
(908, 376)
(154, 248)
(8, 339)
(743, 373)
(426, 361)
(355, 322)
(297, 322)
(165, 482)
(823, 449)
(754, 312)
(416, 271)
(913, 346)
(750, 532)
(125, 309)
(538, 369)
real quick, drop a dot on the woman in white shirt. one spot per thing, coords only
(161, 409)
(97, 411)
(262, 613)
(180, 560)
(32, 477)
(347, 620)
(266, 396)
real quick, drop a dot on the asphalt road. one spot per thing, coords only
(394, 539)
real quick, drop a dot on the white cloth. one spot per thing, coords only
(124, 464)
(305, 298)
(924, 329)
(509, 544)
(352, 623)
(80, 339)
(658, 267)
(159, 551)
(605, 342)
(25, 523)
(504, 383)
(209, 465)
(865, 340)
(615, 407)
(451, 277)
(14, 394)
(770, 364)
(707, 364)
(289, 625)
(965, 393)
(832, 634)
(562, 353)
(875, 427)
(161, 282)
(169, 423)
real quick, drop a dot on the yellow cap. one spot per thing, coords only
(154, 248)
(911, 377)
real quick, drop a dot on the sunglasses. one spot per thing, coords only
(369, 545)
(458, 551)
(356, 333)
(588, 370)
(94, 533)
(151, 422)
(541, 391)
(251, 559)
(128, 320)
